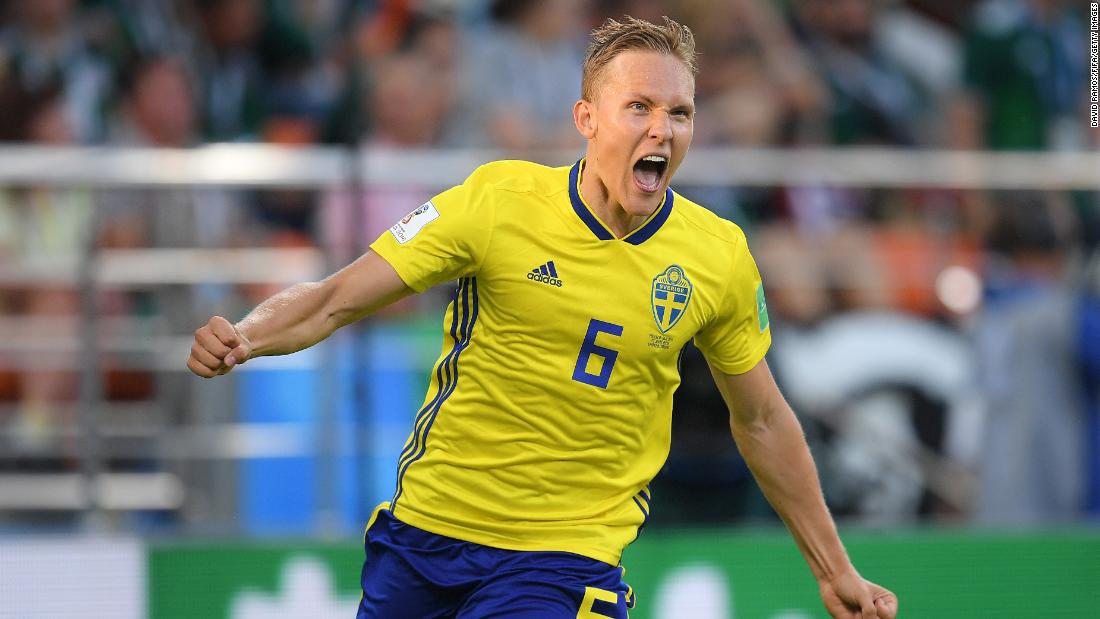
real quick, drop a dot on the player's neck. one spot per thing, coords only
(595, 194)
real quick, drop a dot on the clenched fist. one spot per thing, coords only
(849, 596)
(217, 348)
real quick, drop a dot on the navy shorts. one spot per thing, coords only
(412, 574)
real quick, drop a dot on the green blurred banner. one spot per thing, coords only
(684, 575)
(710, 575)
(254, 581)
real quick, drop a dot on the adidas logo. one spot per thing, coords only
(546, 273)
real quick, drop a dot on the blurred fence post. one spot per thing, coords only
(90, 390)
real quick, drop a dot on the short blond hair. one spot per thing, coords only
(631, 34)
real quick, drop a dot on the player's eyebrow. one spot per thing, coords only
(689, 106)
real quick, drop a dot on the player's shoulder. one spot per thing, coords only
(518, 176)
(715, 229)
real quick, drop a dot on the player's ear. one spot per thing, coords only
(584, 117)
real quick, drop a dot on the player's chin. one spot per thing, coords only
(643, 203)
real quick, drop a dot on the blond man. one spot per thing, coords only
(527, 470)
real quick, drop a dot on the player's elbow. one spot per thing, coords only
(756, 419)
(337, 309)
(345, 301)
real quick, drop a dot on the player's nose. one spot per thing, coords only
(660, 127)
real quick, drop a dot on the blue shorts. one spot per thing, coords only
(412, 574)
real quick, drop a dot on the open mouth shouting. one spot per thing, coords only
(649, 171)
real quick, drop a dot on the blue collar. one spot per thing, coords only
(637, 237)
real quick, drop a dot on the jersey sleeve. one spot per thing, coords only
(739, 335)
(443, 239)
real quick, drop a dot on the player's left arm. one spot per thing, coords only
(770, 439)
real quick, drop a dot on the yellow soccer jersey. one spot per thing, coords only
(549, 410)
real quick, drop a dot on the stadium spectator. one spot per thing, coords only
(1022, 77)
(1033, 465)
(873, 97)
(1021, 88)
(431, 35)
(393, 109)
(233, 88)
(158, 106)
(302, 79)
(520, 79)
(45, 230)
(402, 115)
(816, 275)
(45, 46)
(125, 31)
(435, 37)
(759, 88)
(756, 89)
(381, 30)
(159, 111)
(872, 100)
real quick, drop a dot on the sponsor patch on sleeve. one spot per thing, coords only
(761, 308)
(414, 222)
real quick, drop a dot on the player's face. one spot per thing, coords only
(640, 128)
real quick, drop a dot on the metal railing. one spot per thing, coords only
(258, 165)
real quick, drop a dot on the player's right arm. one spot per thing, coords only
(297, 317)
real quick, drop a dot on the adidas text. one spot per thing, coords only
(539, 277)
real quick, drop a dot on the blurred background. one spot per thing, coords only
(917, 178)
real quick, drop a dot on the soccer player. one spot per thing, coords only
(527, 470)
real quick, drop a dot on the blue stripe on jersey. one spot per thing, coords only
(443, 365)
(553, 271)
(642, 234)
(644, 508)
(582, 211)
(544, 270)
(469, 297)
(645, 498)
(445, 373)
(446, 378)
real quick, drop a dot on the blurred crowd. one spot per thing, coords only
(1001, 74)
(973, 352)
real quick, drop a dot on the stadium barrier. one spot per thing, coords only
(265, 165)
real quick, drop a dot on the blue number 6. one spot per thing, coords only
(589, 348)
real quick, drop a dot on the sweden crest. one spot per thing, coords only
(670, 295)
